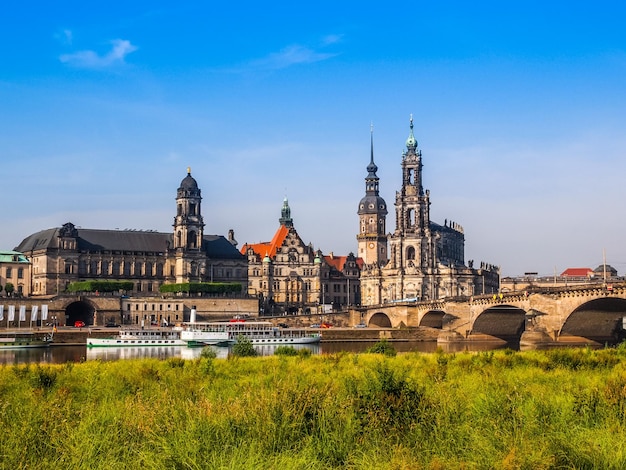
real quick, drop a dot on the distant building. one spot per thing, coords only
(148, 259)
(420, 259)
(577, 272)
(568, 278)
(14, 270)
(292, 277)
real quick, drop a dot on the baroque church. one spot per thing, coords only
(292, 277)
(149, 259)
(420, 260)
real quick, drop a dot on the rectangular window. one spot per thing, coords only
(20, 273)
(9, 273)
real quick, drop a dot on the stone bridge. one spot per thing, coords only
(593, 313)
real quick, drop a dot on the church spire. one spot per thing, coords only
(371, 181)
(285, 214)
(411, 143)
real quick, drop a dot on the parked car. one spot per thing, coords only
(283, 325)
(79, 324)
(360, 325)
(326, 325)
(315, 325)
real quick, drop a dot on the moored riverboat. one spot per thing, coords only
(24, 339)
(257, 332)
(139, 338)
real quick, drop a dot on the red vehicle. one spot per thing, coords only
(326, 325)
(79, 324)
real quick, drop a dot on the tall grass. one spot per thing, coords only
(503, 410)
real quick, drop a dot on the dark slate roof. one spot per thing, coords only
(215, 246)
(218, 247)
(38, 241)
(100, 240)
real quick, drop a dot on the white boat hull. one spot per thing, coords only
(258, 333)
(117, 342)
(138, 338)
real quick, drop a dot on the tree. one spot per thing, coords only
(243, 347)
(1, 287)
(8, 288)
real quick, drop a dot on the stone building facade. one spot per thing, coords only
(149, 259)
(290, 276)
(15, 271)
(420, 260)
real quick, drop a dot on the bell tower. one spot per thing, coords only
(190, 262)
(372, 240)
(412, 241)
(188, 223)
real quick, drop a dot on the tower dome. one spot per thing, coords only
(411, 143)
(188, 182)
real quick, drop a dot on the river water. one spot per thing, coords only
(63, 354)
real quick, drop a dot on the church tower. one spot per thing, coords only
(372, 240)
(188, 231)
(411, 242)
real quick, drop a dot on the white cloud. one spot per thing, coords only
(331, 39)
(90, 59)
(291, 55)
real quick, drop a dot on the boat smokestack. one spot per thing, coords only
(192, 317)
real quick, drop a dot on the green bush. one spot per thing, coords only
(382, 347)
(285, 351)
(202, 287)
(208, 353)
(100, 286)
(243, 347)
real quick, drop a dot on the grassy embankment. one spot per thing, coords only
(555, 409)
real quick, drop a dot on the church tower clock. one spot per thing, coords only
(372, 240)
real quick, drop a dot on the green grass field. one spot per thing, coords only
(562, 409)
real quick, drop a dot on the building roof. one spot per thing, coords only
(577, 272)
(268, 248)
(338, 262)
(13, 257)
(215, 246)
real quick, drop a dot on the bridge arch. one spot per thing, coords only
(506, 322)
(80, 310)
(598, 320)
(433, 319)
(380, 319)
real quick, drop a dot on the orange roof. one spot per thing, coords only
(268, 248)
(577, 272)
(338, 262)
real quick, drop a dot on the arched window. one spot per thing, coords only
(410, 253)
(191, 240)
(410, 214)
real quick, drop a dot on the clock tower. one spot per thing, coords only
(372, 212)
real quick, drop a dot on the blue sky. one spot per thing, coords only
(519, 110)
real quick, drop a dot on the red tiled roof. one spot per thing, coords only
(577, 272)
(268, 248)
(336, 262)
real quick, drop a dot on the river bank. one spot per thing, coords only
(496, 409)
